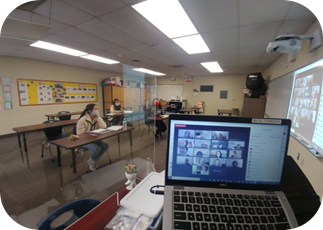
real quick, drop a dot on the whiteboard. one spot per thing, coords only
(167, 92)
(278, 96)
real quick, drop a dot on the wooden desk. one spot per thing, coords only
(188, 110)
(52, 116)
(84, 139)
(25, 129)
(224, 111)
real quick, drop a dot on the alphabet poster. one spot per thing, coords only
(40, 92)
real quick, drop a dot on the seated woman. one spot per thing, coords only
(156, 110)
(116, 108)
(90, 120)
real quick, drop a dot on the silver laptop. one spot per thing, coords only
(224, 173)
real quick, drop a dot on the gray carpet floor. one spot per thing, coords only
(29, 196)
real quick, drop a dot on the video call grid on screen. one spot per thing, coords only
(305, 108)
(212, 152)
(262, 153)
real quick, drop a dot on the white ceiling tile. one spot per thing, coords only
(299, 12)
(107, 32)
(21, 15)
(221, 39)
(63, 12)
(248, 62)
(86, 38)
(203, 57)
(225, 55)
(129, 54)
(132, 23)
(147, 51)
(257, 35)
(96, 7)
(168, 61)
(259, 11)
(252, 52)
(125, 35)
(294, 27)
(169, 48)
(212, 15)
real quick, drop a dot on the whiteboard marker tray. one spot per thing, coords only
(141, 200)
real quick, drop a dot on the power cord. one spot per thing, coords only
(157, 192)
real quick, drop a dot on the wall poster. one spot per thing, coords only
(40, 92)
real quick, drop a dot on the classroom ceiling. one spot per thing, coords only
(236, 31)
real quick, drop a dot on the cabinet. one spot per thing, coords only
(110, 93)
(253, 107)
(133, 98)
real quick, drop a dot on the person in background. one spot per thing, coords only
(156, 110)
(90, 120)
(116, 108)
(187, 134)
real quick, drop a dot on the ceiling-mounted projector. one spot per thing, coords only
(284, 44)
(290, 43)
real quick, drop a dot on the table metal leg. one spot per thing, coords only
(130, 136)
(119, 145)
(74, 163)
(20, 149)
(26, 152)
(59, 166)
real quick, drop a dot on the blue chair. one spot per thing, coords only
(64, 118)
(79, 208)
(51, 134)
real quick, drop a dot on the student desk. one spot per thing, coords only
(85, 138)
(225, 111)
(30, 128)
(52, 116)
(295, 185)
(187, 110)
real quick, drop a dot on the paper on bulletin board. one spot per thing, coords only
(6, 81)
(36, 92)
(7, 97)
(8, 105)
(6, 88)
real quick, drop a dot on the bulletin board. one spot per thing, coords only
(40, 92)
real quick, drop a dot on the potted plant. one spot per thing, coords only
(131, 173)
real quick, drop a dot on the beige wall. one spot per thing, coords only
(234, 84)
(311, 165)
(19, 68)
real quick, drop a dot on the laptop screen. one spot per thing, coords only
(230, 150)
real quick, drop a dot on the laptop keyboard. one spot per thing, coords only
(220, 211)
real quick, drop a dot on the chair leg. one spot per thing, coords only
(146, 126)
(42, 148)
(84, 161)
(50, 152)
(109, 157)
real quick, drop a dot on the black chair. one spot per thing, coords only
(64, 118)
(77, 150)
(51, 134)
(78, 207)
(149, 123)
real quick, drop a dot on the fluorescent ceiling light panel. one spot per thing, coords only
(213, 67)
(148, 71)
(57, 48)
(192, 44)
(99, 59)
(168, 16)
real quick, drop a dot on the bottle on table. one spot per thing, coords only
(124, 123)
